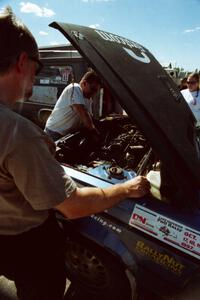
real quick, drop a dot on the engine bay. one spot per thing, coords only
(117, 154)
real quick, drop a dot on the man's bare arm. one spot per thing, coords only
(86, 201)
(84, 115)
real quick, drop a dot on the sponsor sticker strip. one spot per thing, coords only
(165, 229)
(165, 260)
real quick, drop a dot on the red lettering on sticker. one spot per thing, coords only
(139, 218)
(190, 235)
(186, 246)
(192, 243)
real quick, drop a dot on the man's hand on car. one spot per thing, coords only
(137, 187)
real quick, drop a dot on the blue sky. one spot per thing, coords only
(170, 29)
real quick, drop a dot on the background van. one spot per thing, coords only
(62, 65)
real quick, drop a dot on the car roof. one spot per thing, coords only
(147, 94)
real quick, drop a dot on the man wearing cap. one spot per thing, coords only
(33, 185)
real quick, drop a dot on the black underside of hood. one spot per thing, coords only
(147, 94)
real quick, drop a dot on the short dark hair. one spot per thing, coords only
(15, 38)
(91, 77)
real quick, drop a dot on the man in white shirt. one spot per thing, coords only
(192, 95)
(73, 109)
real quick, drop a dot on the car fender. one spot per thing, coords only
(104, 237)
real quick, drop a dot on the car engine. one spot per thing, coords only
(117, 154)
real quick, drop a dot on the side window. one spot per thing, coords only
(50, 83)
(55, 75)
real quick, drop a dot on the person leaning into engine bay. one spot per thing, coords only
(73, 109)
(33, 185)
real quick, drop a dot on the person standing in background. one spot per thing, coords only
(183, 84)
(192, 95)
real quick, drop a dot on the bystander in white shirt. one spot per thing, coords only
(192, 95)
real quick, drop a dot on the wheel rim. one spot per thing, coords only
(87, 266)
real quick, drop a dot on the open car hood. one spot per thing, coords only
(147, 94)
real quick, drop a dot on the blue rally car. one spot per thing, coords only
(145, 243)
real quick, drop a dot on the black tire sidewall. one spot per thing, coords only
(118, 286)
